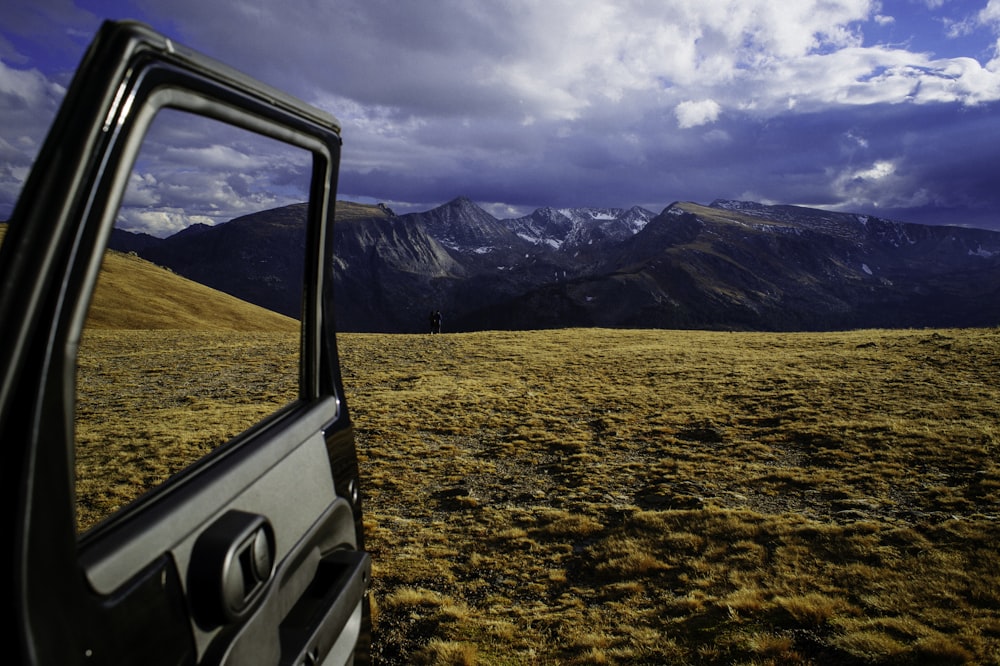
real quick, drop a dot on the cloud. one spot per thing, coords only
(199, 170)
(855, 140)
(692, 114)
(28, 99)
(526, 103)
(25, 94)
(878, 171)
(163, 221)
(990, 14)
(550, 59)
(26, 89)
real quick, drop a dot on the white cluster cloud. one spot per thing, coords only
(692, 114)
(25, 94)
(161, 221)
(989, 17)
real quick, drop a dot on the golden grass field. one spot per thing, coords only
(641, 497)
(614, 496)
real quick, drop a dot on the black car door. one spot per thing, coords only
(251, 554)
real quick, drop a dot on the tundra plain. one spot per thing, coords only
(640, 497)
(596, 496)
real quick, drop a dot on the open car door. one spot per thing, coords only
(252, 553)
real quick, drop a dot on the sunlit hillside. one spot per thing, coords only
(135, 294)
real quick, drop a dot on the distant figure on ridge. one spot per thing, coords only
(436, 321)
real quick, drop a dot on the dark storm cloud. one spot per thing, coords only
(519, 104)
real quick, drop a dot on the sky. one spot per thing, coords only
(883, 107)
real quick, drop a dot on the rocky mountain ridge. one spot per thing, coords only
(572, 228)
(728, 265)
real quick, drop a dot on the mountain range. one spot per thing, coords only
(729, 265)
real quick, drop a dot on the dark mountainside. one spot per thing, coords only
(729, 265)
(256, 257)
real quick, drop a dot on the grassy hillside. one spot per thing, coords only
(349, 210)
(133, 293)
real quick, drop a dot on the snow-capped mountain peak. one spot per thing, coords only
(565, 228)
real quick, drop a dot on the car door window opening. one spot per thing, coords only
(176, 358)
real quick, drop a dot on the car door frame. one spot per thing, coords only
(134, 587)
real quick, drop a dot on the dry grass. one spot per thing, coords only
(593, 496)
(615, 497)
(149, 403)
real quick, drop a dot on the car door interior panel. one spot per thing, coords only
(253, 554)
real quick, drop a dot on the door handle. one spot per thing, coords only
(322, 613)
(231, 563)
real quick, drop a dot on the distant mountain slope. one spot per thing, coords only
(462, 226)
(389, 274)
(727, 265)
(718, 267)
(257, 260)
(132, 293)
